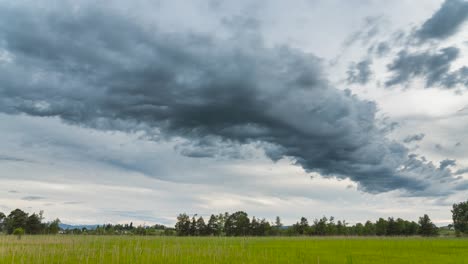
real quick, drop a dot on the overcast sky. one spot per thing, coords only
(123, 111)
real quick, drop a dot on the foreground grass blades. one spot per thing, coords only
(135, 249)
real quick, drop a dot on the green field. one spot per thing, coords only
(135, 249)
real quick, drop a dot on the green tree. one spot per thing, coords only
(320, 226)
(200, 227)
(54, 227)
(358, 229)
(16, 219)
(411, 228)
(392, 229)
(427, 228)
(254, 227)
(278, 223)
(369, 228)
(460, 217)
(193, 226)
(182, 226)
(381, 227)
(301, 227)
(2, 220)
(212, 226)
(264, 228)
(237, 224)
(34, 225)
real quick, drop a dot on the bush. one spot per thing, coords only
(18, 232)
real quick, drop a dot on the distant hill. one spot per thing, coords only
(66, 227)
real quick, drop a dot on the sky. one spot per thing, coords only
(119, 111)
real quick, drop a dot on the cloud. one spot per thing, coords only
(360, 73)
(447, 163)
(412, 138)
(445, 22)
(100, 69)
(14, 159)
(32, 198)
(434, 67)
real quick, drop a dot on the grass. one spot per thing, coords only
(134, 249)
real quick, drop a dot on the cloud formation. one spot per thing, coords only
(433, 67)
(100, 69)
(360, 72)
(412, 138)
(445, 22)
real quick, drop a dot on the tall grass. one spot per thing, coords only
(135, 249)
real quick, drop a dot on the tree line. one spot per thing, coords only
(123, 229)
(239, 224)
(19, 222)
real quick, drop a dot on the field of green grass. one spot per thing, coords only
(135, 249)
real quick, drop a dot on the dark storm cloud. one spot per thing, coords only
(99, 69)
(360, 72)
(445, 22)
(412, 138)
(434, 67)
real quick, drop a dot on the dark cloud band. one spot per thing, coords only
(99, 69)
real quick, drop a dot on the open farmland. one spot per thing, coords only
(139, 249)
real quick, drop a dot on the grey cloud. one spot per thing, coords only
(447, 163)
(99, 69)
(360, 73)
(434, 67)
(14, 159)
(445, 22)
(412, 138)
(32, 198)
(461, 171)
(381, 49)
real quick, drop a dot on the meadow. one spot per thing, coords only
(141, 249)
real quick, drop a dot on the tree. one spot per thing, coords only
(212, 226)
(460, 217)
(427, 228)
(264, 228)
(34, 225)
(301, 228)
(193, 226)
(320, 226)
(237, 224)
(411, 228)
(381, 227)
(183, 225)
(54, 227)
(2, 220)
(392, 229)
(254, 227)
(200, 227)
(16, 219)
(369, 229)
(277, 226)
